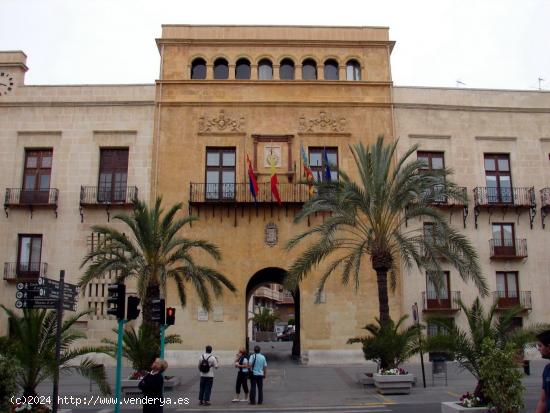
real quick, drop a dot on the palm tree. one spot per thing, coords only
(140, 347)
(33, 338)
(466, 345)
(153, 254)
(369, 217)
(389, 344)
(265, 319)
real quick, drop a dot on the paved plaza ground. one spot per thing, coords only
(291, 387)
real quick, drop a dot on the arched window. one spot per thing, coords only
(242, 69)
(286, 71)
(265, 69)
(331, 70)
(353, 70)
(309, 69)
(198, 69)
(221, 69)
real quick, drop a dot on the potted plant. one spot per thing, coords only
(466, 346)
(390, 345)
(265, 320)
(141, 348)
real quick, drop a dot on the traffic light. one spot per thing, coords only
(158, 311)
(116, 300)
(133, 310)
(170, 316)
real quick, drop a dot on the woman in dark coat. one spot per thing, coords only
(151, 386)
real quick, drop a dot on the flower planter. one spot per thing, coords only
(393, 384)
(266, 336)
(131, 386)
(453, 407)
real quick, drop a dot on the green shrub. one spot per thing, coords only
(389, 344)
(8, 385)
(501, 377)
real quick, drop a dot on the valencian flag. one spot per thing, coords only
(307, 170)
(274, 182)
(252, 179)
(327, 177)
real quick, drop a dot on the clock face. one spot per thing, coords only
(6, 83)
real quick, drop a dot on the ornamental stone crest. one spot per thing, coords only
(221, 123)
(271, 234)
(323, 123)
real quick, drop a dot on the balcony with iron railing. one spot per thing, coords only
(18, 271)
(545, 204)
(504, 198)
(31, 199)
(444, 302)
(239, 193)
(436, 197)
(93, 196)
(508, 299)
(508, 248)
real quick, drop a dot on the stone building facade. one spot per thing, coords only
(228, 93)
(53, 140)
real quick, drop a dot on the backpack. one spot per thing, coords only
(204, 365)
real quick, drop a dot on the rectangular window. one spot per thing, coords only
(220, 173)
(317, 163)
(507, 286)
(498, 178)
(113, 175)
(432, 160)
(438, 299)
(36, 176)
(29, 255)
(504, 240)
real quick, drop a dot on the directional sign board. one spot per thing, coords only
(44, 293)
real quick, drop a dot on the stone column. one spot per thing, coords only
(253, 72)
(276, 74)
(298, 72)
(231, 72)
(209, 72)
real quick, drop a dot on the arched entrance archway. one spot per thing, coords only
(277, 276)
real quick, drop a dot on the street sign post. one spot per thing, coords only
(45, 293)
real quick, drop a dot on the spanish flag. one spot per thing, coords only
(307, 170)
(274, 182)
(252, 179)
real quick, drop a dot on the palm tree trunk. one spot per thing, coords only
(152, 293)
(383, 306)
(381, 263)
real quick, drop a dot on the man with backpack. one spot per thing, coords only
(207, 364)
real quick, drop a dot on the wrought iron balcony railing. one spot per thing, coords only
(290, 193)
(510, 197)
(435, 197)
(14, 271)
(509, 299)
(93, 195)
(508, 248)
(444, 302)
(19, 197)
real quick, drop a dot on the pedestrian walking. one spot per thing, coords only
(241, 363)
(152, 385)
(258, 364)
(543, 406)
(207, 363)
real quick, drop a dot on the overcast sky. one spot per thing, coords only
(502, 44)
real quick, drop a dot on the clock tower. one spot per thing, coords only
(12, 71)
